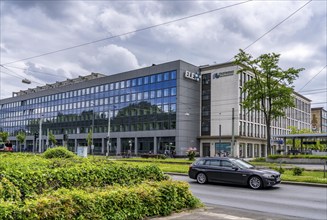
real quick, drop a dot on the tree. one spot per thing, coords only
(21, 136)
(89, 138)
(52, 138)
(4, 136)
(270, 89)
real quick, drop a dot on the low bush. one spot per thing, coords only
(58, 152)
(80, 175)
(297, 171)
(278, 169)
(259, 159)
(155, 156)
(116, 202)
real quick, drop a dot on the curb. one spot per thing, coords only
(283, 182)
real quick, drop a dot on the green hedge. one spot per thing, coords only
(79, 175)
(116, 202)
(58, 152)
(297, 156)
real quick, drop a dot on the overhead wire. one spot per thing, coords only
(129, 32)
(312, 78)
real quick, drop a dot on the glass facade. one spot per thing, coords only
(136, 104)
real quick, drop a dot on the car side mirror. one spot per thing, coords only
(235, 167)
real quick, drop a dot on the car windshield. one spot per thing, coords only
(242, 164)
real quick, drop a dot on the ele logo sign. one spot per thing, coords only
(193, 76)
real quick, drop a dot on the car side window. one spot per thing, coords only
(225, 163)
(200, 162)
(213, 163)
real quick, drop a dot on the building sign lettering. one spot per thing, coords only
(222, 74)
(193, 76)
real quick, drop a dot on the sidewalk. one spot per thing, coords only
(223, 213)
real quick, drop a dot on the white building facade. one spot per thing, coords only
(228, 128)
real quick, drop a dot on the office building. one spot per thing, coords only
(225, 123)
(161, 108)
(150, 109)
(319, 120)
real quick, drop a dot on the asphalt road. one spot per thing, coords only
(282, 201)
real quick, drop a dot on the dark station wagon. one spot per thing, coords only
(232, 171)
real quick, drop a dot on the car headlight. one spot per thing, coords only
(269, 176)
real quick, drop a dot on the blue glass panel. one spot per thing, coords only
(173, 74)
(140, 81)
(166, 76)
(146, 80)
(159, 77)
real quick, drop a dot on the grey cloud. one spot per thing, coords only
(54, 9)
(45, 74)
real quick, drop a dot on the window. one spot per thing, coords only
(117, 85)
(153, 78)
(128, 98)
(122, 84)
(159, 77)
(173, 91)
(173, 75)
(146, 80)
(159, 93)
(146, 95)
(134, 82)
(140, 81)
(152, 94)
(225, 163)
(166, 76)
(139, 96)
(128, 83)
(213, 162)
(166, 92)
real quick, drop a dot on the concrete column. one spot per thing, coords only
(259, 150)
(245, 150)
(102, 145)
(236, 149)
(155, 147)
(75, 149)
(135, 146)
(118, 146)
(212, 149)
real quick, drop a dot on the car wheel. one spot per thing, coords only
(255, 182)
(201, 178)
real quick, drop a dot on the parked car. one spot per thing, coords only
(232, 171)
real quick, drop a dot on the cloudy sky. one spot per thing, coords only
(123, 35)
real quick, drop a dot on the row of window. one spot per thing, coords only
(155, 78)
(125, 99)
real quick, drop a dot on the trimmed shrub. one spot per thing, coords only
(8, 191)
(81, 175)
(116, 202)
(297, 171)
(58, 152)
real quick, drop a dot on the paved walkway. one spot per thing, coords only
(223, 213)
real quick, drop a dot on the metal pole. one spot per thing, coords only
(108, 143)
(219, 136)
(92, 144)
(40, 136)
(232, 152)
